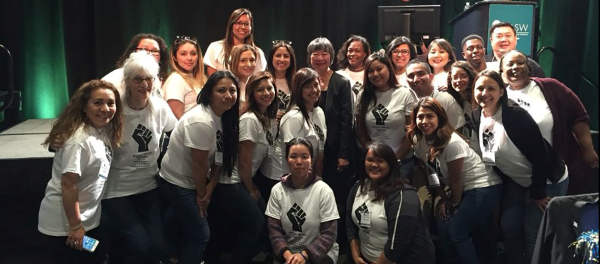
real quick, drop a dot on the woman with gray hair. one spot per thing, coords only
(131, 197)
(336, 102)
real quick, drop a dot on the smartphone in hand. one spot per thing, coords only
(90, 244)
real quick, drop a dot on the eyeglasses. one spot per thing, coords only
(242, 24)
(404, 52)
(184, 38)
(153, 52)
(277, 41)
(140, 79)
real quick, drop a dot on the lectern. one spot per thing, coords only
(479, 18)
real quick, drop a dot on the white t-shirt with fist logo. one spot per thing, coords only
(199, 129)
(301, 212)
(135, 162)
(386, 120)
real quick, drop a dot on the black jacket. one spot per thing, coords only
(560, 227)
(524, 132)
(337, 107)
(411, 243)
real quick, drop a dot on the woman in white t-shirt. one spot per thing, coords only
(383, 111)
(282, 65)
(147, 43)
(131, 198)
(205, 139)
(91, 125)
(183, 85)
(351, 61)
(242, 65)
(474, 187)
(384, 220)
(235, 197)
(460, 84)
(560, 115)
(302, 214)
(533, 173)
(304, 118)
(440, 56)
(400, 51)
(240, 30)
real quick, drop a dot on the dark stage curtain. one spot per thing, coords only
(58, 44)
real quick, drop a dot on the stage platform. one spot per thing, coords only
(25, 169)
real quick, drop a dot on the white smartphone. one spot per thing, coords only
(90, 244)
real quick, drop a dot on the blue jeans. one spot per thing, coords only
(195, 232)
(475, 208)
(64, 254)
(520, 219)
(238, 207)
(137, 223)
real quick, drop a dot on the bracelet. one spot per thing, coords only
(76, 227)
(304, 257)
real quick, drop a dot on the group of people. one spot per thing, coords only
(236, 151)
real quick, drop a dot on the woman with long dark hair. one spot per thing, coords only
(384, 110)
(240, 30)
(205, 139)
(474, 188)
(460, 86)
(384, 220)
(282, 66)
(236, 196)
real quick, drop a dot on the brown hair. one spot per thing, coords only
(368, 96)
(445, 45)
(251, 105)
(199, 78)
(74, 116)
(236, 54)
(444, 130)
(228, 40)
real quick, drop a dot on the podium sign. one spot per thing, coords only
(520, 16)
(479, 18)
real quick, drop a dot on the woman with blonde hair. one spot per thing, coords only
(240, 30)
(184, 84)
(91, 125)
(242, 65)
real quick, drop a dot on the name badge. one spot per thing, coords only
(365, 219)
(434, 180)
(489, 158)
(104, 169)
(219, 158)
